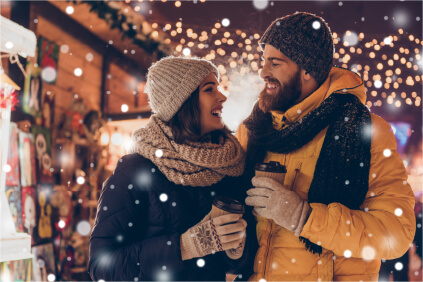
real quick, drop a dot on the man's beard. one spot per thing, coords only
(286, 96)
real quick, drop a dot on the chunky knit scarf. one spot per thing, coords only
(342, 170)
(190, 163)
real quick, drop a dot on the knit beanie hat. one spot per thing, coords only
(304, 38)
(171, 81)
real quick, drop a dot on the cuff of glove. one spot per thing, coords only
(236, 253)
(188, 250)
(305, 213)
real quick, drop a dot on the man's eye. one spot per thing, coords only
(275, 64)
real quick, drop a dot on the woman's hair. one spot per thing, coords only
(186, 123)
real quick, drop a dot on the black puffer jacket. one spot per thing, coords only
(140, 218)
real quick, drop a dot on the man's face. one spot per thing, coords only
(283, 81)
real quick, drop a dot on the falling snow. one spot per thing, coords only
(387, 153)
(163, 197)
(201, 263)
(399, 266)
(398, 212)
(316, 25)
(347, 253)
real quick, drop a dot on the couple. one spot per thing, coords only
(345, 203)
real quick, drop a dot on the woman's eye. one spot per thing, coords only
(209, 89)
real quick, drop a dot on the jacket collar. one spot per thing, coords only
(340, 80)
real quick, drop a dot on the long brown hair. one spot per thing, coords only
(186, 123)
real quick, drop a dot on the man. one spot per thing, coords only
(345, 203)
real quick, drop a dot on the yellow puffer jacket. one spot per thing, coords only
(383, 228)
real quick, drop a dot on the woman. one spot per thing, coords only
(153, 220)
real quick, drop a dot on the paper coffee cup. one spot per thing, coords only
(224, 205)
(272, 170)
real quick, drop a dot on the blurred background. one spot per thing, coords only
(81, 96)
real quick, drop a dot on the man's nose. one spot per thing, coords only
(264, 72)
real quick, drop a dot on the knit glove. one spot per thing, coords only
(208, 236)
(273, 201)
(237, 252)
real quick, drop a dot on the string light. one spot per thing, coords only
(239, 53)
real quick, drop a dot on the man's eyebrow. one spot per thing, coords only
(272, 58)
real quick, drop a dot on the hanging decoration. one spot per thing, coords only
(131, 24)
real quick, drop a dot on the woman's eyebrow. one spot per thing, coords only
(207, 83)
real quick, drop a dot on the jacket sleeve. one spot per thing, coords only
(119, 247)
(384, 226)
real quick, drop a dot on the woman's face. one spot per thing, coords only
(211, 104)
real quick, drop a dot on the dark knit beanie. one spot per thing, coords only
(305, 39)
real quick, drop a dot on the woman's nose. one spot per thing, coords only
(222, 97)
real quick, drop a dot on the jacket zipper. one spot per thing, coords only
(297, 170)
(266, 273)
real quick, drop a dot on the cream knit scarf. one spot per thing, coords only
(191, 163)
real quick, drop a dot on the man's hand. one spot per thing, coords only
(273, 201)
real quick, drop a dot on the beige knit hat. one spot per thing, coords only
(172, 80)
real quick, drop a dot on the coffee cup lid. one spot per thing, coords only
(271, 167)
(228, 204)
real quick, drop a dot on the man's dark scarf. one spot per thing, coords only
(342, 170)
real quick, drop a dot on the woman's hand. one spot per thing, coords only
(219, 234)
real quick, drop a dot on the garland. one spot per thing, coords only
(132, 26)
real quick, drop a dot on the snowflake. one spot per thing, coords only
(399, 266)
(159, 153)
(163, 197)
(398, 212)
(347, 253)
(201, 263)
(112, 186)
(130, 186)
(387, 153)
(368, 253)
(316, 25)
